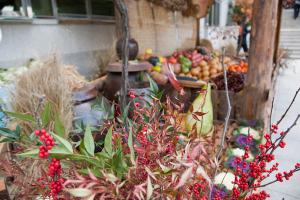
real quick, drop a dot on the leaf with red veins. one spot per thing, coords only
(138, 189)
(79, 176)
(197, 115)
(196, 151)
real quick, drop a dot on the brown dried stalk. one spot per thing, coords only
(219, 152)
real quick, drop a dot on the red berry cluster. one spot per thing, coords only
(199, 189)
(48, 143)
(56, 187)
(54, 169)
(258, 196)
(258, 170)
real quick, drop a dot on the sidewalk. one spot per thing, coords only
(287, 84)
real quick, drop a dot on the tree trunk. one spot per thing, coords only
(259, 82)
(279, 14)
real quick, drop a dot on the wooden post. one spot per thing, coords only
(259, 83)
(122, 8)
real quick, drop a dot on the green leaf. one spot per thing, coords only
(130, 145)
(159, 94)
(89, 143)
(59, 127)
(80, 192)
(46, 114)
(125, 113)
(146, 118)
(108, 142)
(8, 133)
(95, 172)
(82, 148)
(102, 155)
(59, 150)
(18, 131)
(29, 154)
(21, 116)
(7, 140)
(117, 161)
(153, 85)
(67, 145)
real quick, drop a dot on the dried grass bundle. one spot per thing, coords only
(74, 79)
(44, 79)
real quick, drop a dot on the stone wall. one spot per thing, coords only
(77, 44)
(163, 31)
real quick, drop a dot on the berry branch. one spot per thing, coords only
(286, 111)
(279, 140)
(278, 179)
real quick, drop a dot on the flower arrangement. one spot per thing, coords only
(146, 156)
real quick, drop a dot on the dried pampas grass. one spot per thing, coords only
(44, 79)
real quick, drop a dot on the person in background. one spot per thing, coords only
(296, 9)
(244, 29)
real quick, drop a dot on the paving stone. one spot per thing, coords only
(287, 84)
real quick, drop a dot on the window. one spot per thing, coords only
(42, 8)
(71, 7)
(103, 7)
(214, 15)
(57, 9)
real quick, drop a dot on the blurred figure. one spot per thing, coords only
(296, 9)
(243, 32)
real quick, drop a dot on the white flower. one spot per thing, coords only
(237, 152)
(225, 179)
(247, 130)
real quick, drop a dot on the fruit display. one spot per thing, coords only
(240, 67)
(194, 64)
(197, 65)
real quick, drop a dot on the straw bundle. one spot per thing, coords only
(73, 78)
(44, 79)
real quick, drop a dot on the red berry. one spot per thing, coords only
(43, 131)
(41, 154)
(37, 132)
(42, 148)
(47, 135)
(49, 147)
(46, 154)
(282, 144)
(42, 137)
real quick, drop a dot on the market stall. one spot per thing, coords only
(161, 123)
